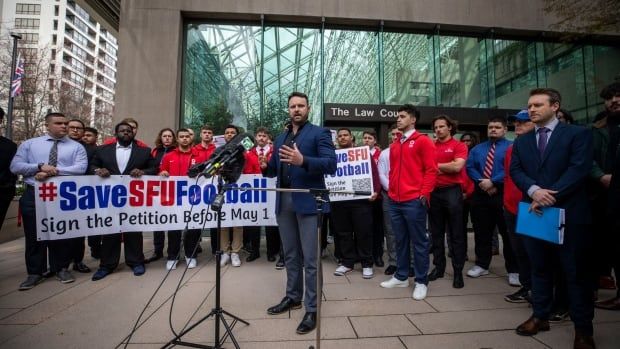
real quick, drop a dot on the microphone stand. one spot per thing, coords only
(217, 312)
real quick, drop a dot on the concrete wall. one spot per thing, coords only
(150, 37)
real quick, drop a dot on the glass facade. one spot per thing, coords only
(244, 73)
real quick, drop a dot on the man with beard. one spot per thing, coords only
(302, 156)
(123, 157)
(550, 166)
(606, 142)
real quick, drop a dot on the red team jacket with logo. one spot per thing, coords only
(413, 170)
(177, 162)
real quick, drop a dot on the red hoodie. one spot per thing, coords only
(202, 153)
(512, 194)
(413, 170)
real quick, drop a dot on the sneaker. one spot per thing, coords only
(234, 260)
(521, 296)
(558, 316)
(280, 264)
(171, 265)
(419, 292)
(368, 273)
(224, 260)
(477, 271)
(513, 280)
(65, 276)
(394, 282)
(341, 270)
(191, 263)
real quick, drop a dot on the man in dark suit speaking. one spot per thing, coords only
(550, 166)
(124, 157)
(302, 156)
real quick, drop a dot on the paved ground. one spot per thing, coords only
(357, 313)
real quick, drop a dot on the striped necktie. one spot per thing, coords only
(53, 158)
(488, 165)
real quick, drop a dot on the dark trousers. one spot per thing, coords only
(353, 224)
(603, 234)
(487, 213)
(214, 239)
(159, 239)
(446, 215)
(190, 240)
(7, 193)
(377, 229)
(575, 257)
(466, 217)
(111, 250)
(272, 237)
(36, 251)
(94, 242)
(516, 241)
(77, 249)
(409, 226)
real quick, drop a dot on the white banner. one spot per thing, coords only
(353, 174)
(75, 206)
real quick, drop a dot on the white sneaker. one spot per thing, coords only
(419, 292)
(513, 279)
(368, 273)
(235, 261)
(171, 265)
(394, 282)
(477, 271)
(191, 263)
(224, 260)
(341, 270)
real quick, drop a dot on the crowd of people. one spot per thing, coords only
(419, 182)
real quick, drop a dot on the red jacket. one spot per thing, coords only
(202, 153)
(177, 162)
(467, 185)
(413, 170)
(512, 194)
(252, 165)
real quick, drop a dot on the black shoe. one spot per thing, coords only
(252, 257)
(155, 257)
(31, 281)
(285, 305)
(379, 262)
(271, 258)
(391, 269)
(521, 296)
(48, 274)
(81, 267)
(280, 264)
(435, 274)
(458, 280)
(65, 276)
(307, 324)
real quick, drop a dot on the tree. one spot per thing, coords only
(584, 16)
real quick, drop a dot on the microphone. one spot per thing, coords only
(224, 156)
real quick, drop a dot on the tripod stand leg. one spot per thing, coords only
(228, 331)
(236, 317)
(319, 278)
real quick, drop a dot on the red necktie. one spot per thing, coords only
(488, 165)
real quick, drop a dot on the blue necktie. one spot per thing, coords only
(542, 140)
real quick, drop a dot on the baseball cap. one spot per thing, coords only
(523, 115)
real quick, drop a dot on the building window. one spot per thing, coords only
(28, 9)
(29, 38)
(26, 23)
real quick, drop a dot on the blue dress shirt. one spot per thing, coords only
(478, 157)
(72, 159)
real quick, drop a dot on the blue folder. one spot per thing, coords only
(549, 226)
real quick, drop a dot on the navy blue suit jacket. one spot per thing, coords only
(563, 167)
(315, 144)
